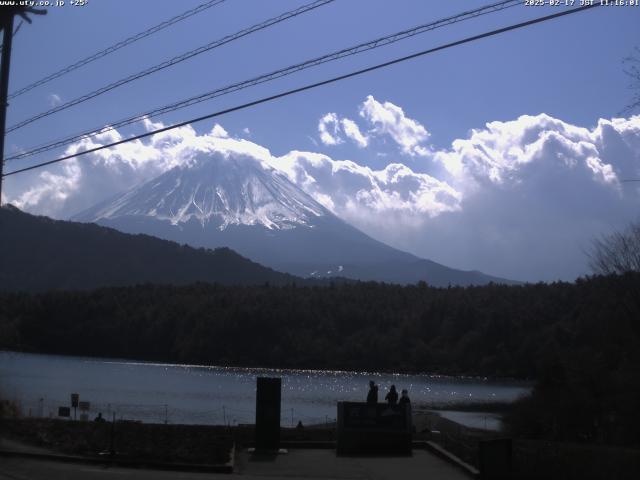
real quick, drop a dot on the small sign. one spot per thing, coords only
(74, 400)
(64, 411)
(84, 406)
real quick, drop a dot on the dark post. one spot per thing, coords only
(112, 436)
(75, 399)
(7, 27)
(268, 414)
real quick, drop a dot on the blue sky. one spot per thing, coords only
(569, 69)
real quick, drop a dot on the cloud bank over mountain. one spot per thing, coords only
(383, 120)
(519, 198)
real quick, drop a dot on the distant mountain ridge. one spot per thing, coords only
(39, 253)
(238, 202)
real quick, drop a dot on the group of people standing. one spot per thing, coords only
(391, 397)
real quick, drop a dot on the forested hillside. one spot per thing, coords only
(39, 253)
(492, 330)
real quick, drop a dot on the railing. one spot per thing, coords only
(222, 414)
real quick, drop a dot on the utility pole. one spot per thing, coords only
(7, 26)
(6, 17)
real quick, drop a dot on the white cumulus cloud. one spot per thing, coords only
(389, 119)
(362, 195)
(506, 151)
(381, 120)
(332, 129)
(329, 129)
(71, 186)
(519, 198)
(536, 191)
(352, 131)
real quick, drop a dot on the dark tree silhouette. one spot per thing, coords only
(618, 252)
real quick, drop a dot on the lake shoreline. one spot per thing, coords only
(115, 359)
(206, 395)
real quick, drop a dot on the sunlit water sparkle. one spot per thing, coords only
(159, 392)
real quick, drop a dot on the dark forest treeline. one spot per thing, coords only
(581, 341)
(492, 330)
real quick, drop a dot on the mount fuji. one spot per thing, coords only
(238, 202)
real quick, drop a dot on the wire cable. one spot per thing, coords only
(313, 85)
(357, 49)
(174, 61)
(117, 46)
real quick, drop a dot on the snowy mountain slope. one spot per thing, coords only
(238, 202)
(216, 192)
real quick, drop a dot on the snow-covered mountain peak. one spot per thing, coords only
(238, 201)
(216, 190)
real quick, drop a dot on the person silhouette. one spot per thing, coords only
(372, 396)
(392, 396)
(404, 398)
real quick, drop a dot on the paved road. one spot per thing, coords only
(323, 464)
(311, 464)
(28, 469)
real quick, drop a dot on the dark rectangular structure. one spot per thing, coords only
(496, 459)
(377, 428)
(268, 413)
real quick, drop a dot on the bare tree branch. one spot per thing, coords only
(631, 67)
(618, 252)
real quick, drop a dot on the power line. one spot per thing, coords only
(357, 49)
(117, 46)
(312, 86)
(175, 60)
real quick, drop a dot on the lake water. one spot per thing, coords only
(159, 392)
